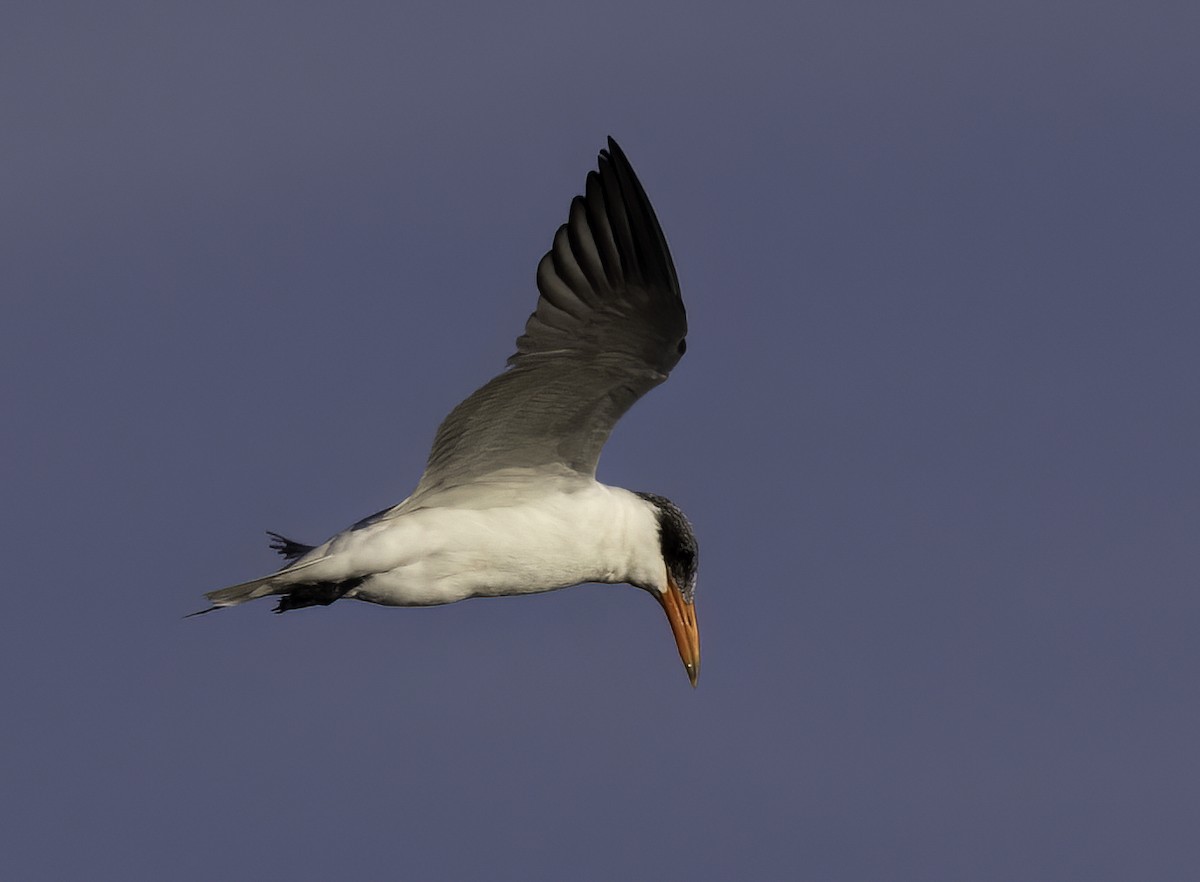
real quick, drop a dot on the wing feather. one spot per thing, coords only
(564, 264)
(608, 327)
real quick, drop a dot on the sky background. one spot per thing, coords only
(937, 430)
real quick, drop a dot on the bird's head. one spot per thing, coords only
(681, 556)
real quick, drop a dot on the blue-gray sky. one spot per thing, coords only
(937, 429)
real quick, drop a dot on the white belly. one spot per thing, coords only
(513, 545)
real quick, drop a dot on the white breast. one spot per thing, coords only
(496, 540)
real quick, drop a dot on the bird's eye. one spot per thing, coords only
(682, 347)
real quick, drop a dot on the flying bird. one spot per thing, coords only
(509, 502)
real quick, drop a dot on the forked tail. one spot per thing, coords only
(295, 595)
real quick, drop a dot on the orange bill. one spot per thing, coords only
(682, 616)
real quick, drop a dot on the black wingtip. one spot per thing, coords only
(614, 154)
(643, 224)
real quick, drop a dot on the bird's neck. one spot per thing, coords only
(632, 548)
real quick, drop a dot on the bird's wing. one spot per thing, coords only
(609, 326)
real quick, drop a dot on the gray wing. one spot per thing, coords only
(608, 327)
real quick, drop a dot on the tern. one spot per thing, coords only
(509, 502)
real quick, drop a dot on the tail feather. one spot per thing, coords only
(235, 594)
(255, 588)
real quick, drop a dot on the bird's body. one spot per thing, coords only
(509, 503)
(509, 535)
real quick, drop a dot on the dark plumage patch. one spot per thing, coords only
(680, 551)
(315, 594)
(289, 549)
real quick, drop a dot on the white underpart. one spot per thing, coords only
(499, 538)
